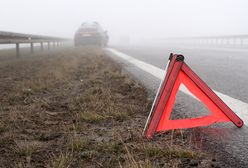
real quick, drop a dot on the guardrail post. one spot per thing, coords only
(221, 42)
(241, 43)
(32, 48)
(41, 46)
(54, 44)
(48, 45)
(234, 42)
(17, 50)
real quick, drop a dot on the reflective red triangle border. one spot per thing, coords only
(178, 72)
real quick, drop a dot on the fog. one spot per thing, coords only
(136, 19)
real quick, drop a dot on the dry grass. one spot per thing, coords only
(62, 161)
(91, 117)
(2, 128)
(78, 144)
(26, 148)
(74, 108)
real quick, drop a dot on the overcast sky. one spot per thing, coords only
(135, 18)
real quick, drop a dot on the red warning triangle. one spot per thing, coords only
(178, 72)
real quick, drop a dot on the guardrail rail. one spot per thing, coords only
(226, 41)
(20, 38)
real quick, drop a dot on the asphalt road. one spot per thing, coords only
(224, 70)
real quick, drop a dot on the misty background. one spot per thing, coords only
(135, 19)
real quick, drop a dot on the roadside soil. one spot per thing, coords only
(75, 108)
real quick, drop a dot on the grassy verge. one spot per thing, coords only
(74, 108)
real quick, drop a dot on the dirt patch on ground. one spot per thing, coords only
(74, 108)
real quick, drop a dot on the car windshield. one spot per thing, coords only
(91, 27)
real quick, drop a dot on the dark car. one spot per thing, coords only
(91, 34)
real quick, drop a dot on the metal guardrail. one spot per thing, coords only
(20, 38)
(228, 41)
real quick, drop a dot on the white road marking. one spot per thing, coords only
(239, 107)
